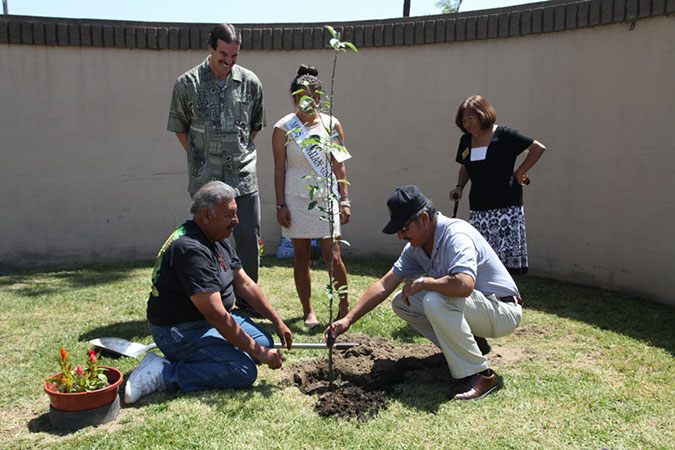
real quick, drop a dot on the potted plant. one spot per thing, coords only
(81, 397)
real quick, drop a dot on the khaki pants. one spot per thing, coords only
(451, 322)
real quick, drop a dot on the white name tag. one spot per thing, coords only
(478, 153)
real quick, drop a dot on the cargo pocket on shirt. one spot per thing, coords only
(196, 157)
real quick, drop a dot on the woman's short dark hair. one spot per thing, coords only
(479, 106)
(226, 32)
(307, 76)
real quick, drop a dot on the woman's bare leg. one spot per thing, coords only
(303, 278)
(339, 272)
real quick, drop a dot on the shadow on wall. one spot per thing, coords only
(634, 317)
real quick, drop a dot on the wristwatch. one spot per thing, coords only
(420, 280)
(280, 206)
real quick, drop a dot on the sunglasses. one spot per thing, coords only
(405, 226)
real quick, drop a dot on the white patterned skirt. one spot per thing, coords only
(308, 224)
(504, 229)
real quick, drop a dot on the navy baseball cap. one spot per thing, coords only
(404, 203)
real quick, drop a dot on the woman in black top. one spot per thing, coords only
(487, 153)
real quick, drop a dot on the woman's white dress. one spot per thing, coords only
(305, 224)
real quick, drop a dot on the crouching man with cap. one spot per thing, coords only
(457, 288)
(196, 277)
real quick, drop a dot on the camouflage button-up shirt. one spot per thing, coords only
(219, 121)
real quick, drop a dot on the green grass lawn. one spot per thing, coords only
(587, 369)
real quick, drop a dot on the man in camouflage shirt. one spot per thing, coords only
(216, 112)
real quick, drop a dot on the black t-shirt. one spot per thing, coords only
(189, 264)
(492, 184)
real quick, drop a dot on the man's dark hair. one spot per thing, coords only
(226, 32)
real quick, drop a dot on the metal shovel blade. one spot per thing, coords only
(134, 349)
(122, 346)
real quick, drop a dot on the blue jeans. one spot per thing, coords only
(200, 358)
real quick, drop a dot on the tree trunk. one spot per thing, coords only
(406, 8)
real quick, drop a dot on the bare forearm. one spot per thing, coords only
(280, 184)
(375, 295)
(458, 285)
(534, 152)
(463, 176)
(234, 334)
(341, 174)
(254, 296)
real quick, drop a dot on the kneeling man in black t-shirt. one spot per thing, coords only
(194, 282)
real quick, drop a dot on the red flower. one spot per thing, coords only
(92, 356)
(64, 355)
(79, 370)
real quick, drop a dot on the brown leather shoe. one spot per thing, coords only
(475, 387)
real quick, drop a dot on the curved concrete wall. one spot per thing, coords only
(89, 173)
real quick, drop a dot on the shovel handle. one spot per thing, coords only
(319, 345)
(454, 212)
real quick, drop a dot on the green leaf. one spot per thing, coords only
(345, 182)
(306, 103)
(341, 241)
(312, 192)
(330, 29)
(311, 205)
(350, 45)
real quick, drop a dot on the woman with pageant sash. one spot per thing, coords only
(487, 153)
(292, 162)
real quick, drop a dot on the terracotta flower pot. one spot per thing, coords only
(80, 401)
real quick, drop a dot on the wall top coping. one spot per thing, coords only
(521, 20)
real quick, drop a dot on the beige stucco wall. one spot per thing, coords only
(88, 172)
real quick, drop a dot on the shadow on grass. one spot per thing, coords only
(215, 398)
(637, 318)
(355, 266)
(296, 325)
(211, 397)
(134, 330)
(77, 277)
(41, 424)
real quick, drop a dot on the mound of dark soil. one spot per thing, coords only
(366, 375)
